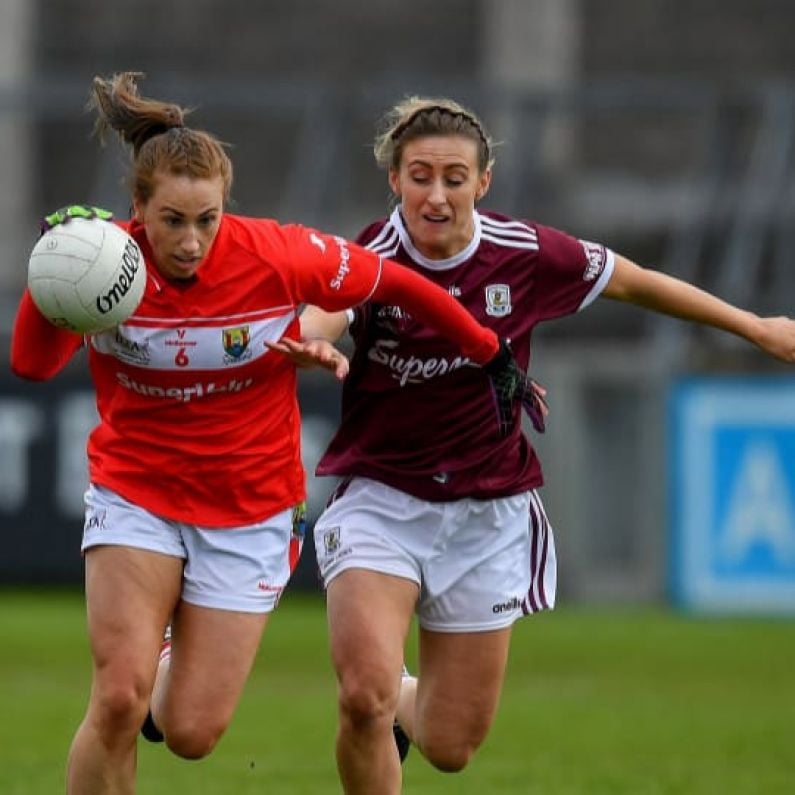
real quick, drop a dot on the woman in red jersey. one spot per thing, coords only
(193, 514)
(431, 513)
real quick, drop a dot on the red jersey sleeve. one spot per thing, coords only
(39, 350)
(328, 270)
(435, 307)
(336, 274)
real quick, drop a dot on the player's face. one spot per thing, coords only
(438, 183)
(181, 220)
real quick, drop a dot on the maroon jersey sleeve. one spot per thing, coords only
(570, 273)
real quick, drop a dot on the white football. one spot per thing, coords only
(86, 275)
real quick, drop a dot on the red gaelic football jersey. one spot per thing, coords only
(418, 416)
(199, 420)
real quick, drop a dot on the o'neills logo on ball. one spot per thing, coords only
(130, 262)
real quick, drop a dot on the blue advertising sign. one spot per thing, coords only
(732, 472)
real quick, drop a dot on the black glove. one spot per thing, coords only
(510, 385)
(64, 214)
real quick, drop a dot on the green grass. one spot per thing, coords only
(636, 702)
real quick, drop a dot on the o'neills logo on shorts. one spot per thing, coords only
(130, 263)
(505, 607)
(95, 520)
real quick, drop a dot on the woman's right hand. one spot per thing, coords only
(313, 353)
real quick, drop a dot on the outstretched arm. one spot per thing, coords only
(39, 350)
(432, 305)
(670, 296)
(335, 274)
(317, 324)
(319, 331)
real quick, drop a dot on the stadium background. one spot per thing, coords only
(662, 128)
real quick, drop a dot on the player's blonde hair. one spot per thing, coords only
(157, 134)
(417, 117)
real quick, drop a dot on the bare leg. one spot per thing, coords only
(369, 616)
(448, 710)
(129, 594)
(199, 685)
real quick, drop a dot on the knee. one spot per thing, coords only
(445, 748)
(447, 756)
(192, 741)
(367, 700)
(119, 706)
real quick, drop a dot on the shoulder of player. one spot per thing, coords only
(380, 236)
(507, 232)
(263, 238)
(270, 238)
(538, 239)
(241, 228)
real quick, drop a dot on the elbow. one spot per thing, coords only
(28, 373)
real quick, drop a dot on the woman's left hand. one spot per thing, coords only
(313, 353)
(776, 335)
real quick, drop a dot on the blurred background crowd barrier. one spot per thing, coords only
(662, 128)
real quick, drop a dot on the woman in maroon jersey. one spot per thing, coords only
(431, 513)
(194, 509)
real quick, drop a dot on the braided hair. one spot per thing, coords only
(418, 117)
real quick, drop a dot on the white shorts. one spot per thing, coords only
(480, 564)
(241, 568)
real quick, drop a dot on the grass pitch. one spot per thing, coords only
(597, 703)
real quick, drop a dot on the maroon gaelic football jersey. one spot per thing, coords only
(419, 416)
